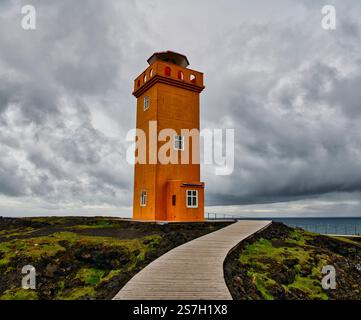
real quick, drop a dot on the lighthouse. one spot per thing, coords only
(168, 98)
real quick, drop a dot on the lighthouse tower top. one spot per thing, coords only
(168, 67)
(170, 57)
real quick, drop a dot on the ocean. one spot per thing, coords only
(346, 226)
(343, 226)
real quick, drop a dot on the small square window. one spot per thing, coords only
(143, 198)
(192, 199)
(146, 103)
(179, 143)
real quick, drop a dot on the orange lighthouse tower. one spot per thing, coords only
(168, 95)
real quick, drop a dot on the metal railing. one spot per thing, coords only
(220, 216)
(342, 229)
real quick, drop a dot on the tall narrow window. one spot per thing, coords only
(192, 198)
(167, 71)
(143, 198)
(192, 78)
(174, 200)
(178, 143)
(180, 75)
(146, 103)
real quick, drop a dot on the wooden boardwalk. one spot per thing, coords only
(191, 271)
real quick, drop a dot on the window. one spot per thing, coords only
(151, 73)
(143, 198)
(178, 143)
(138, 83)
(192, 199)
(174, 200)
(146, 103)
(167, 71)
(145, 78)
(192, 78)
(180, 75)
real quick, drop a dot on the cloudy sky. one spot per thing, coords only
(289, 88)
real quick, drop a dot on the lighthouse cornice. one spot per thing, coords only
(168, 73)
(167, 80)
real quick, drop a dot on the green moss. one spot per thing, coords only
(110, 275)
(263, 257)
(309, 286)
(90, 276)
(264, 249)
(15, 232)
(262, 283)
(131, 244)
(98, 224)
(30, 247)
(78, 293)
(56, 244)
(19, 294)
(51, 220)
(346, 240)
(49, 245)
(61, 284)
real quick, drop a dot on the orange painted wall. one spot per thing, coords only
(180, 212)
(173, 105)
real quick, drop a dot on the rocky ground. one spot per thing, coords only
(286, 263)
(83, 258)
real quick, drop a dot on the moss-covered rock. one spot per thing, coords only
(83, 258)
(286, 263)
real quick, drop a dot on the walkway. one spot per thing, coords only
(191, 271)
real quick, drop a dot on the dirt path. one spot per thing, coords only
(191, 271)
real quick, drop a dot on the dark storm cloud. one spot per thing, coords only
(49, 78)
(292, 100)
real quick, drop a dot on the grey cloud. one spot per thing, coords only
(347, 96)
(10, 183)
(50, 80)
